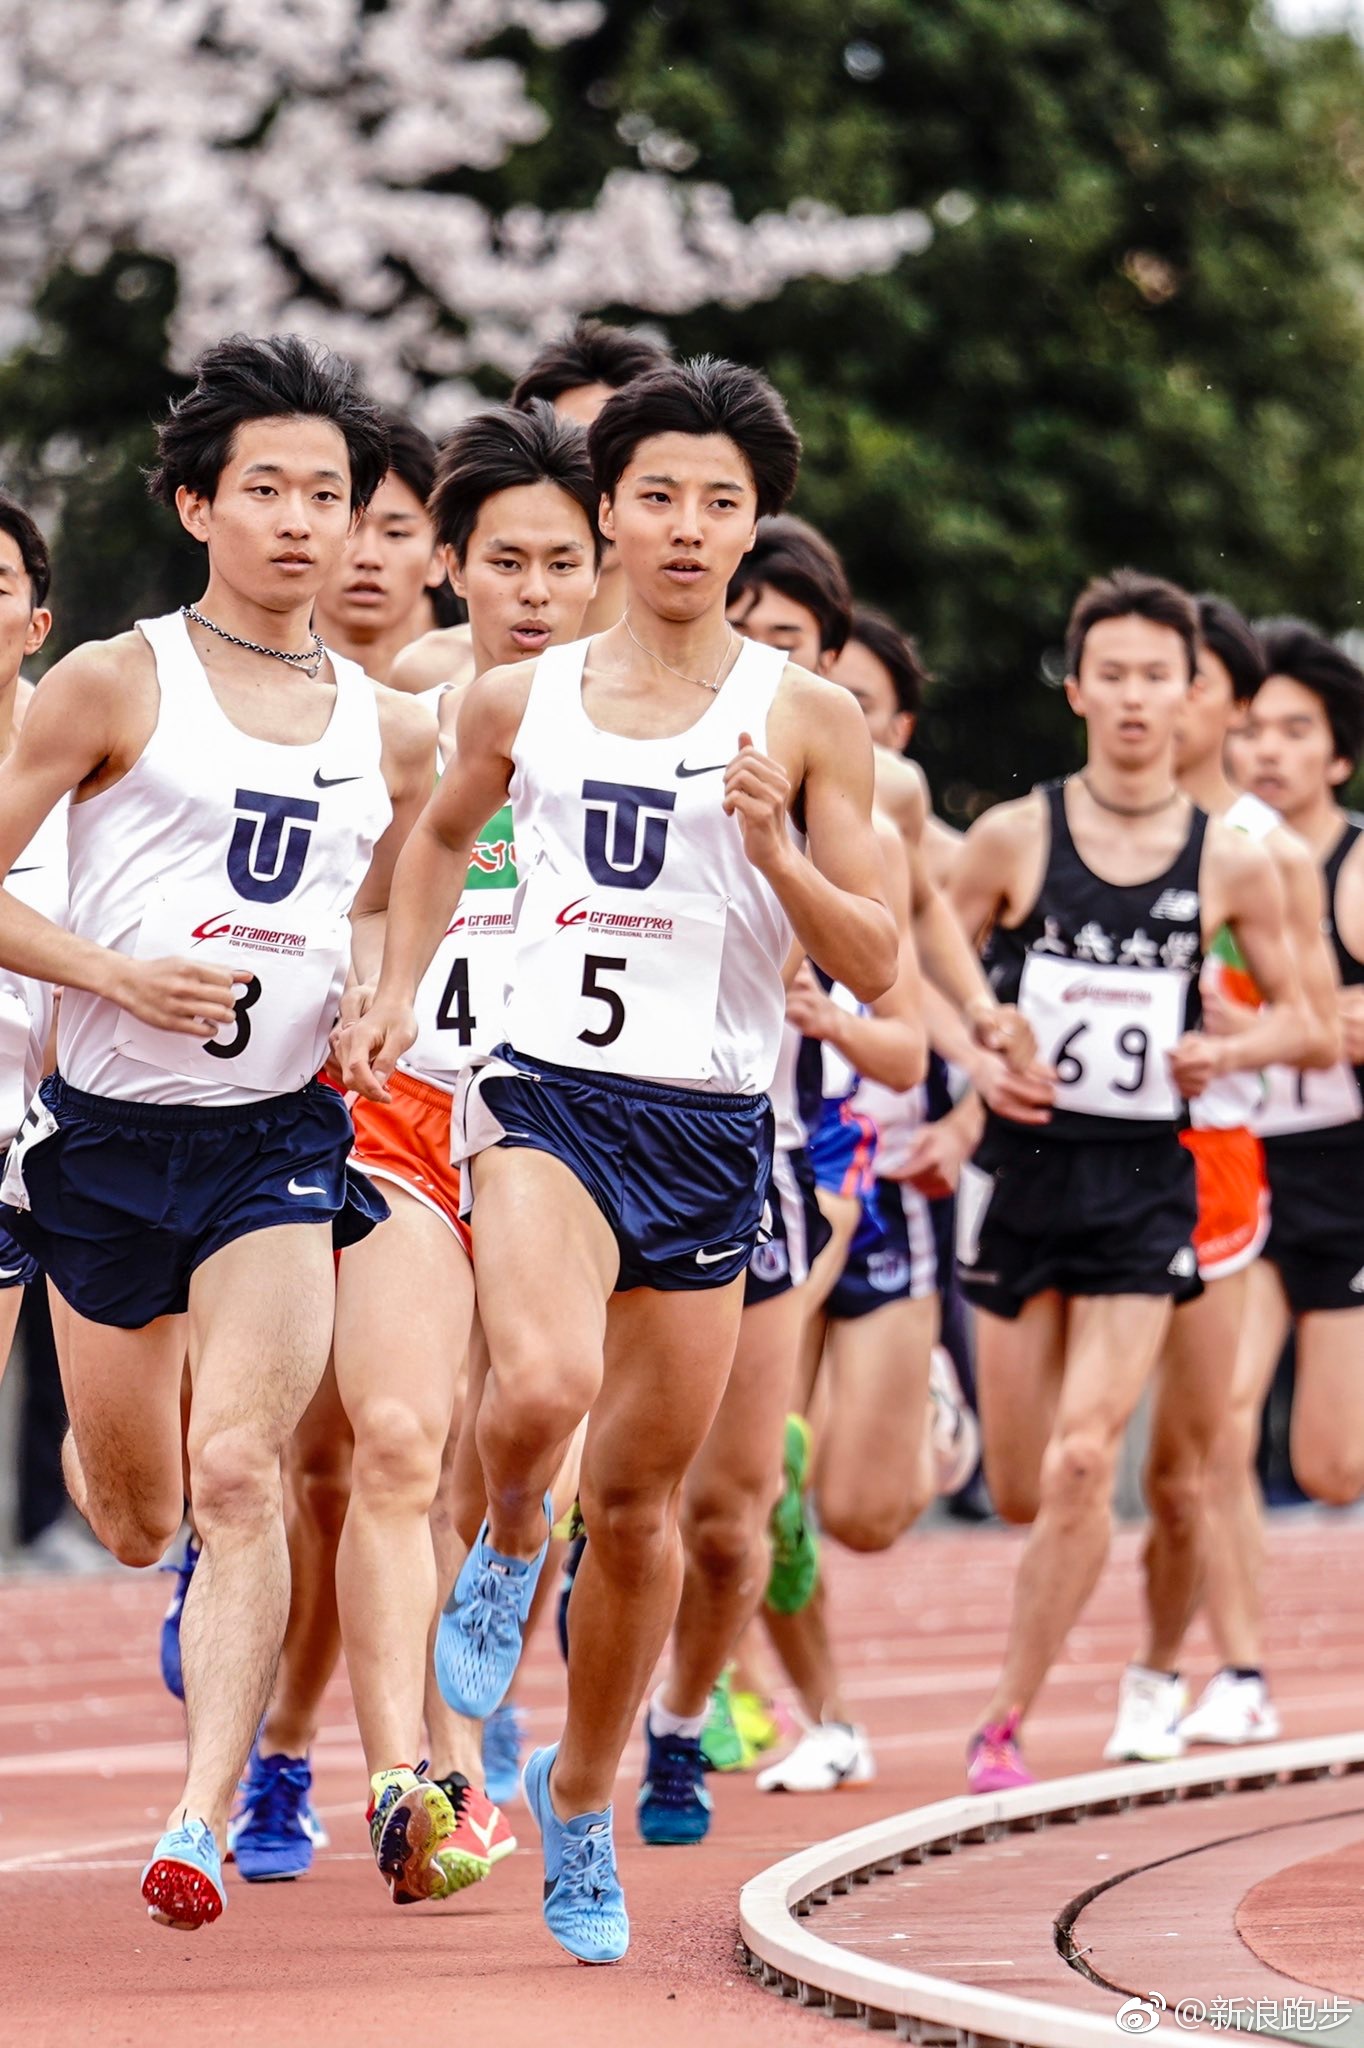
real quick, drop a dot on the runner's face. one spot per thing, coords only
(762, 613)
(867, 678)
(684, 514)
(1285, 754)
(1131, 689)
(528, 574)
(277, 525)
(23, 628)
(390, 560)
(1209, 712)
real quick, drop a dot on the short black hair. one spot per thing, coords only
(1294, 649)
(246, 378)
(24, 531)
(791, 556)
(589, 353)
(705, 395)
(496, 451)
(411, 454)
(898, 654)
(1232, 638)
(1130, 593)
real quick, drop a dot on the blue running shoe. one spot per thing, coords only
(503, 1733)
(478, 1637)
(584, 1905)
(673, 1805)
(268, 1835)
(183, 1883)
(183, 1566)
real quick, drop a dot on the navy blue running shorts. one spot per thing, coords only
(897, 1252)
(127, 1199)
(798, 1227)
(681, 1176)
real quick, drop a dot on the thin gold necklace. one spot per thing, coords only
(700, 681)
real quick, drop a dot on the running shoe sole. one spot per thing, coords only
(180, 1895)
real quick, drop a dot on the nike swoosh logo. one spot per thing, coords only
(714, 1258)
(682, 771)
(31, 869)
(295, 1189)
(321, 781)
(11, 1272)
(485, 1830)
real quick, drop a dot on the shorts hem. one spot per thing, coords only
(454, 1223)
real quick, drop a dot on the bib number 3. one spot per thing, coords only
(232, 1048)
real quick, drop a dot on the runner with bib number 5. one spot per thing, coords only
(620, 1145)
(1099, 895)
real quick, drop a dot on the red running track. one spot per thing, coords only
(90, 1747)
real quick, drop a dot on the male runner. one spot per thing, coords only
(1194, 1380)
(620, 1146)
(377, 600)
(238, 798)
(576, 374)
(1101, 895)
(38, 875)
(885, 672)
(1303, 740)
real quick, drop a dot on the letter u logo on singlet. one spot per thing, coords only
(625, 833)
(269, 845)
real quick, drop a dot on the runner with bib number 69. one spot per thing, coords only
(620, 1145)
(1099, 895)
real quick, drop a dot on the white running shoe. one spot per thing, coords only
(826, 1757)
(1148, 1731)
(1232, 1710)
(955, 1431)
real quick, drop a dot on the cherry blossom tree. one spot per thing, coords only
(300, 163)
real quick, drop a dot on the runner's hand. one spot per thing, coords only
(371, 1047)
(808, 1008)
(187, 996)
(1223, 1015)
(1000, 1028)
(1195, 1061)
(1024, 1097)
(1350, 1004)
(758, 794)
(934, 1161)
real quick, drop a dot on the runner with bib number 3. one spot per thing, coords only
(1099, 895)
(620, 1145)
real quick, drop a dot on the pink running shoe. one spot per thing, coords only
(993, 1759)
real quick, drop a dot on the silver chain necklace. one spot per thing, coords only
(700, 681)
(308, 663)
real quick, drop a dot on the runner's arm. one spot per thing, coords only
(1305, 904)
(408, 733)
(890, 1045)
(836, 900)
(429, 875)
(1248, 897)
(70, 730)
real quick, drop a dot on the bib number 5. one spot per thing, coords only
(595, 965)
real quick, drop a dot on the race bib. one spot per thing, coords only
(16, 1033)
(461, 1001)
(602, 983)
(1296, 1100)
(1106, 1031)
(284, 1011)
(38, 1124)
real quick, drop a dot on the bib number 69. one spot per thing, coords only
(1132, 1043)
(594, 966)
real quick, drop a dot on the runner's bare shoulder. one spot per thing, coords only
(445, 655)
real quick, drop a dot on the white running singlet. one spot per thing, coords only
(37, 878)
(647, 943)
(1231, 1101)
(232, 850)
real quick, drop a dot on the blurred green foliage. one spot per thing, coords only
(1137, 335)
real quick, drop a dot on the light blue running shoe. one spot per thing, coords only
(478, 1637)
(503, 1734)
(268, 1835)
(183, 1883)
(584, 1905)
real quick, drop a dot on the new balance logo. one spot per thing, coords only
(1184, 1264)
(1357, 1284)
(1177, 906)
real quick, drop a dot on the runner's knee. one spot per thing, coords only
(536, 1399)
(133, 1527)
(633, 1534)
(1078, 1468)
(397, 1454)
(235, 1480)
(722, 1532)
(1175, 1493)
(867, 1521)
(1016, 1494)
(1332, 1473)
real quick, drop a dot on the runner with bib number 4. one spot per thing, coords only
(620, 1145)
(1099, 896)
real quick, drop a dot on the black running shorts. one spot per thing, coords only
(1316, 1217)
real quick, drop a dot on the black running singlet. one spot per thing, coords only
(1107, 975)
(1320, 1104)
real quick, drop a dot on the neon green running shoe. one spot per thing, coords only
(721, 1743)
(759, 1728)
(795, 1548)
